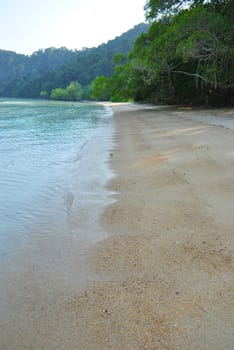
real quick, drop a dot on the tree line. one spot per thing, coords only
(48, 69)
(186, 57)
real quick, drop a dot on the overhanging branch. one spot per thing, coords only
(195, 75)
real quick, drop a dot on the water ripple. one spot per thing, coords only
(39, 143)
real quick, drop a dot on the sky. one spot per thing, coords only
(29, 25)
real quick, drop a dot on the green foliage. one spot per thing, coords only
(86, 92)
(160, 8)
(121, 84)
(45, 70)
(58, 94)
(187, 58)
(119, 59)
(44, 94)
(101, 88)
(116, 88)
(154, 8)
(73, 92)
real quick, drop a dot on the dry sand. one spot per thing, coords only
(168, 259)
(165, 271)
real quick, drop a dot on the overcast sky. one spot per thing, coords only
(29, 25)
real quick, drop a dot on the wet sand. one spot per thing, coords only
(163, 273)
(168, 261)
(49, 265)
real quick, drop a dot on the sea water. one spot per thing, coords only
(41, 147)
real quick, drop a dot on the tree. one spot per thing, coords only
(86, 92)
(73, 92)
(48, 69)
(101, 88)
(120, 59)
(155, 8)
(187, 58)
(58, 94)
(44, 94)
(158, 8)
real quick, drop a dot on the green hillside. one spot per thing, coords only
(44, 70)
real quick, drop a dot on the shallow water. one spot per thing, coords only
(41, 146)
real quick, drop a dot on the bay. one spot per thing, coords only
(41, 146)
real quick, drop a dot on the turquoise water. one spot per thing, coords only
(40, 143)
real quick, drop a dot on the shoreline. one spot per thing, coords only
(50, 265)
(165, 266)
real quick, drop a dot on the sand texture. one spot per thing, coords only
(168, 260)
(164, 272)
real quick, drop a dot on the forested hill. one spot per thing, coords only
(186, 57)
(44, 70)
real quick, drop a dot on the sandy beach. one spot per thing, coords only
(168, 260)
(163, 273)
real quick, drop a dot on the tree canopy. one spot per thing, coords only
(73, 92)
(155, 8)
(187, 56)
(47, 69)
